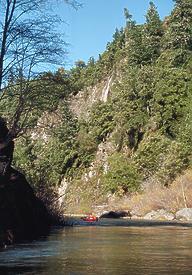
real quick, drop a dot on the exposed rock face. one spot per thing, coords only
(106, 90)
(184, 214)
(159, 215)
(22, 215)
(116, 214)
(81, 103)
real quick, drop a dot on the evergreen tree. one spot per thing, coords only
(130, 101)
(171, 92)
(80, 64)
(133, 40)
(91, 61)
(152, 34)
(179, 31)
(128, 17)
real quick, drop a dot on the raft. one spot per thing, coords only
(90, 218)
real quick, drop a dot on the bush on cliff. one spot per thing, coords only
(122, 175)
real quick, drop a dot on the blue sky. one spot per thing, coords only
(90, 28)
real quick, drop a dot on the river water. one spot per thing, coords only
(108, 247)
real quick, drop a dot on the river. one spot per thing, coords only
(108, 247)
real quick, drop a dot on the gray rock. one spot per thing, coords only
(184, 214)
(160, 214)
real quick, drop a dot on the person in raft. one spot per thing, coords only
(6, 150)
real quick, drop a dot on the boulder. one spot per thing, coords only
(160, 214)
(22, 215)
(116, 214)
(184, 214)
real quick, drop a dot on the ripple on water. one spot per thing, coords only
(109, 249)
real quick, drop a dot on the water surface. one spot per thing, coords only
(130, 248)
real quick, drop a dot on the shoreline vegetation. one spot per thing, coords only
(154, 202)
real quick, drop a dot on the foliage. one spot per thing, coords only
(87, 144)
(161, 157)
(122, 175)
(151, 153)
(152, 35)
(179, 31)
(45, 93)
(101, 121)
(29, 41)
(47, 160)
(130, 99)
(170, 95)
(147, 116)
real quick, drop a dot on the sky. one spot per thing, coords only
(88, 29)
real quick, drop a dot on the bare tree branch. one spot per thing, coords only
(28, 40)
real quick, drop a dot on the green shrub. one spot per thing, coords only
(122, 175)
(151, 153)
(101, 122)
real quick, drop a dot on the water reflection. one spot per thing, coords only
(104, 250)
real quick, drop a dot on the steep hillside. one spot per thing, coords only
(144, 128)
(81, 103)
(118, 125)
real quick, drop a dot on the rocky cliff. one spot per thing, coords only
(112, 127)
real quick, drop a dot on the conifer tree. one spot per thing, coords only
(153, 32)
(133, 40)
(179, 31)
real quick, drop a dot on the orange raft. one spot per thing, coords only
(90, 218)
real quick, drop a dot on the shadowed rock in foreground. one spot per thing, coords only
(22, 215)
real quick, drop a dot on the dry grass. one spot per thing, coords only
(156, 196)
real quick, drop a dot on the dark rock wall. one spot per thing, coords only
(22, 215)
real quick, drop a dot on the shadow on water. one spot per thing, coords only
(23, 258)
(129, 223)
(106, 247)
(20, 270)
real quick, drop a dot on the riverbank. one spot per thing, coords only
(153, 202)
(183, 217)
(76, 221)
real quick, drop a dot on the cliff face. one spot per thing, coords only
(81, 103)
(152, 156)
(87, 191)
(112, 139)
(73, 190)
